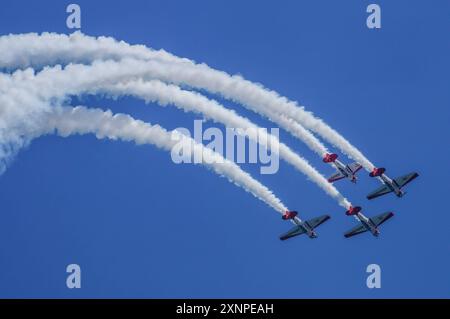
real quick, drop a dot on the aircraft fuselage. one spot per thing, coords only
(306, 227)
(392, 185)
(368, 224)
(345, 170)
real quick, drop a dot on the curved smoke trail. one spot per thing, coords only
(39, 50)
(57, 83)
(163, 94)
(26, 113)
(67, 121)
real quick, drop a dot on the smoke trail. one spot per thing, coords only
(80, 120)
(62, 48)
(163, 94)
(254, 97)
(56, 83)
(103, 72)
(21, 115)
(26, 113)
(39, 50)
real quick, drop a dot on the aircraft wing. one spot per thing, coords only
(405, 179)
(318, 221)
(379, 192)
(335, 177)
(355, 231)
(354, 167)
(297, 230)
(380, 219)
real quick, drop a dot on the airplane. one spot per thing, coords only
(367, 224)
(343, 171)
(302, 227)
(390, 185)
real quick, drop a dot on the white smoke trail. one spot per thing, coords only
(32, 49)
(80, 120)
(20, 115)
(163, 94)
(56, 83)
(25, 114)
(39, 50)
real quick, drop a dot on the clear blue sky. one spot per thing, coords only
(141, 226)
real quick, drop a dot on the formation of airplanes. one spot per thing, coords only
(366, 224)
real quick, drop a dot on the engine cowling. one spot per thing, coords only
(329, 158)
(353, 210)
(377, 172)
(289, 215)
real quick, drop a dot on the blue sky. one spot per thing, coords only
(141, 226)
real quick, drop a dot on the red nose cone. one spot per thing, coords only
(289, 215)
(328, 158)
(353, 210)
(377, 172)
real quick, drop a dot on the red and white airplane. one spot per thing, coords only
(367, 224)
(343, 171)
(390, 185)
(302, 227)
